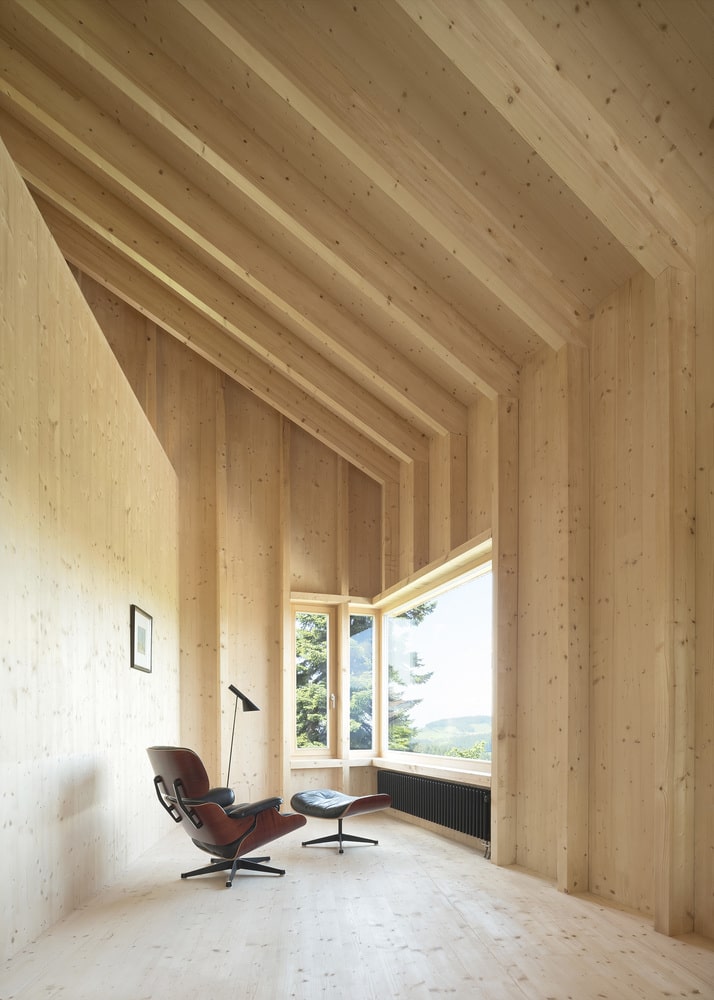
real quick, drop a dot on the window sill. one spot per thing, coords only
(304, 763)
(313, 763)
(481, 779)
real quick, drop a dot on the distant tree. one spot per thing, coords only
(402, 728)
(361, 682)
(475, 752)
(311, 679)
(311, 652)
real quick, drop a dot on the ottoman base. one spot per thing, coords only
(326, 803)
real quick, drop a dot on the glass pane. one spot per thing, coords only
(311, 672)
(439, 658)
(361, 681)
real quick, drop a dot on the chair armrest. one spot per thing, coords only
(166, 800)
(242, 809)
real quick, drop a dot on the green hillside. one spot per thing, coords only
(460, 733)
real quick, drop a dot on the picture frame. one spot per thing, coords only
(141, 639)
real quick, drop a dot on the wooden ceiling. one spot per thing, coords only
(368, 212)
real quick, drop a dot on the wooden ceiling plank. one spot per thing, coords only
(383, 53)
(146, 294)
(648, 80)
(506, 268)
(461, 346)
(492, 49)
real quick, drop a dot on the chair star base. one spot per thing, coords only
(222, 865)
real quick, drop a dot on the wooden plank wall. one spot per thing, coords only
(315, 516)
(641, 835)
(365, 525)
(674, 666)
(704, 692)
(623, 596)
(541, 523)
(179, 392)
(504, 506)
(88, 526)
(573, 691)
(250, 613)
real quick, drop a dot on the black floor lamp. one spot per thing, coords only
(248, 706)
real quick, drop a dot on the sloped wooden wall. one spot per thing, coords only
(88, 526)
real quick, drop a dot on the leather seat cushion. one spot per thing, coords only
(326, 803)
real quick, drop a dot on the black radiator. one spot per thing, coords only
(465, 808)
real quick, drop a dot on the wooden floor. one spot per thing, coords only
(417, 916)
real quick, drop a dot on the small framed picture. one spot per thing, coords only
(141, 627)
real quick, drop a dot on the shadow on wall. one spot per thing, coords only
(83, 829)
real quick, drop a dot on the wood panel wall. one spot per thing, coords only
(179, 392)
(623, 447)
(88, 526)
(250, 608)
(623, 804)
(704, 691)
(540, 618)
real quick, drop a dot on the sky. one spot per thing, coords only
(455, 642)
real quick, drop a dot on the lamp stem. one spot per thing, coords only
(233, 732)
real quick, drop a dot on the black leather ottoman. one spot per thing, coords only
(325, 803)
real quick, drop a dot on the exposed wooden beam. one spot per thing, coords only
(141, 290)
(202, 222)
(492, 49)
(105, 150)
(136, 240)
(442, 207)
(217, 141)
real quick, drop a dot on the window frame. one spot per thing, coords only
(317, 608)
(421, 588)
(339, 611)
(362, 610)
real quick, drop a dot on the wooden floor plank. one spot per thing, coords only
(417, 916)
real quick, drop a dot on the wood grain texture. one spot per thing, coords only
(89, 515)
(674, 679)
(415, 916)
(506, 639)
(573, 695)
(622, 606)
(704, 680)
(351, 258)
(542, 535)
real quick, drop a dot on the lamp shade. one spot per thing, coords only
(248, 705)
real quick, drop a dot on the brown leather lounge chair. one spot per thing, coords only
(213, 821)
